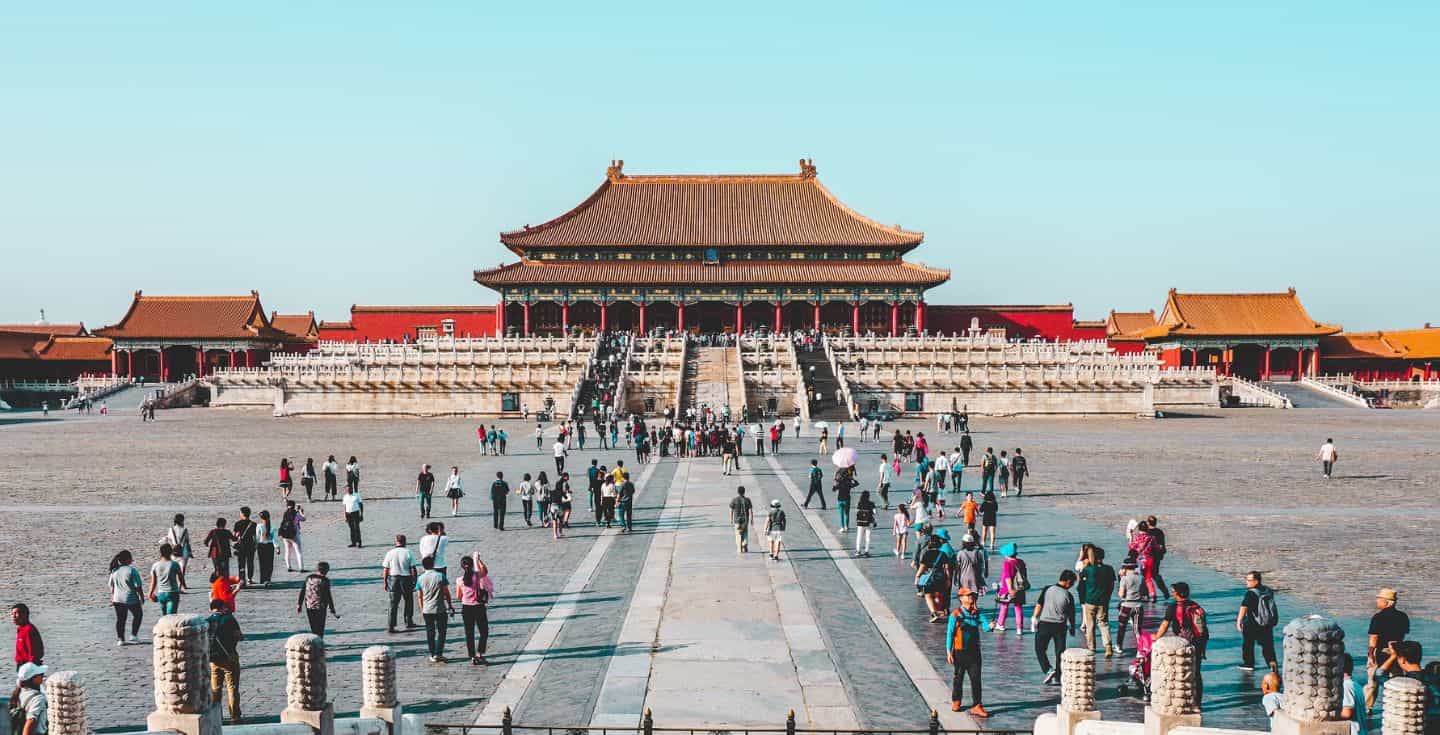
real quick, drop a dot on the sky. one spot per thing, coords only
(333, 153)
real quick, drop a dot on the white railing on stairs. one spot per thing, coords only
(1336, 393)
(1254, 394)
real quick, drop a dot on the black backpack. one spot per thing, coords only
(1266, 613)
(287, 525)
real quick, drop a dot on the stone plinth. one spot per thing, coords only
(181, 650)
(306, 684)
(1313, 678)
(65, 693)
(1174, 698)
(1077, 690)
(378, 691)
(1404, 708)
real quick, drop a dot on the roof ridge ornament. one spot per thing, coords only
(807, 168)
(616, 170)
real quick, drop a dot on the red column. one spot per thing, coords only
(499, 318)
(603, 321)
(1265, 369)
(565, 316)
(919, 316)
(642, 318)
(778, 317)
(163, 374)
(199, 362)
(895, 319)
(817, 316)
(1314, 362)
(526, 325)
(855, 318)
(114, 362)
(232, 358)
(249, 358)
(739, 318)
(680, 316)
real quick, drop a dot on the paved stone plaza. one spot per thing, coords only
(598, 626)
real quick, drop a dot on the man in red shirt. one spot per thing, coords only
(29, 647)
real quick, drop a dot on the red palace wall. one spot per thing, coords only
(399, 324)
(1126, 347)
(1046, 322)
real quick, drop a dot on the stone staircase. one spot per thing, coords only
(820, 377)
(589, 387)
(709, 374)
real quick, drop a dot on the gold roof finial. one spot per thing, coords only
(807, 168)
(616, 170)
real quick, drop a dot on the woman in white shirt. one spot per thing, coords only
(265, 547)
(179, 539)
(527, 497)
(453, 491)
(433, 544)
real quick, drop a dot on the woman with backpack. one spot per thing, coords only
(289, 533)
(126, 593)
(932, 577)
(1014, 582)
(989, 514)
(474, 588)
(971, 564)
(864, 523)
(1143, 543)
(179, 539)
(307, 479)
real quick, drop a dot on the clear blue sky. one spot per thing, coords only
(330, 153)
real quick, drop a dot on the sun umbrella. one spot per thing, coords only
(821, 425)
(844, 457)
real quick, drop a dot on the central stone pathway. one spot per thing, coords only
(733, 641)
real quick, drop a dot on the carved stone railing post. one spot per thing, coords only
(1404, 707)
(1077, 690)
(1174, 696)
(379, 696)
(306, 700)
(181, 650)
(65, 693)
(1313, 678)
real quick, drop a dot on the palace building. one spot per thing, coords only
(711, 253)
(1258, 336)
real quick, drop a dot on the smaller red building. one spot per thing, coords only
(1123, 330)
(1046, 321)
(1260, 336)
(410, 323)
(1404, 354)
(302, 330)
(51, 352)
(168, 337)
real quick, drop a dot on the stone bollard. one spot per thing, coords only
(306, 702)
(1313, 679)
(1077, 690)
(181, 650)
(1174, 699)
(1404, 707)
(65, 695)
(378, 692)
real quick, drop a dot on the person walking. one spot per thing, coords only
(972, 565)
(962, 651)
(775, 529)
(539, 437)
(499, 494)
(265, 539)
(289, 533)
(627, 505)
(1186, 618)
(244, 547)
(1387, 627)
(217, 547)
(1019, 469)
(433, 545)
(1097, 584)
(167, 581)
(933, 574)
(560, 453)
(307, 479)
(741, 514)
(352, 473)
(1256, 622)
(331, 471)
(436, 606)
(424, 489)
(474, 589)
(397, 575)
(900, 530)
(864, 523)
(179, 539)
(29, 703)
(816, 489)
(843, 483)
(287, 483)
(354, 507)
(967, 445)
(882, 486)
(988, 466)
(225, 637)
(315, 598)
(526, 491)
(454, 491)
(127, 591)
(555, 504)
(1132, 605)
(608, 495)
(1054, 615)
(989, 516)
(1328, 457)
(1014, 583)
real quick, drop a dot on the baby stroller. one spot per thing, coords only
(1139, 681)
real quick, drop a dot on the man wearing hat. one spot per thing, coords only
(32, 700)
(962, 650)
(775, 529)
(1387, 627)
